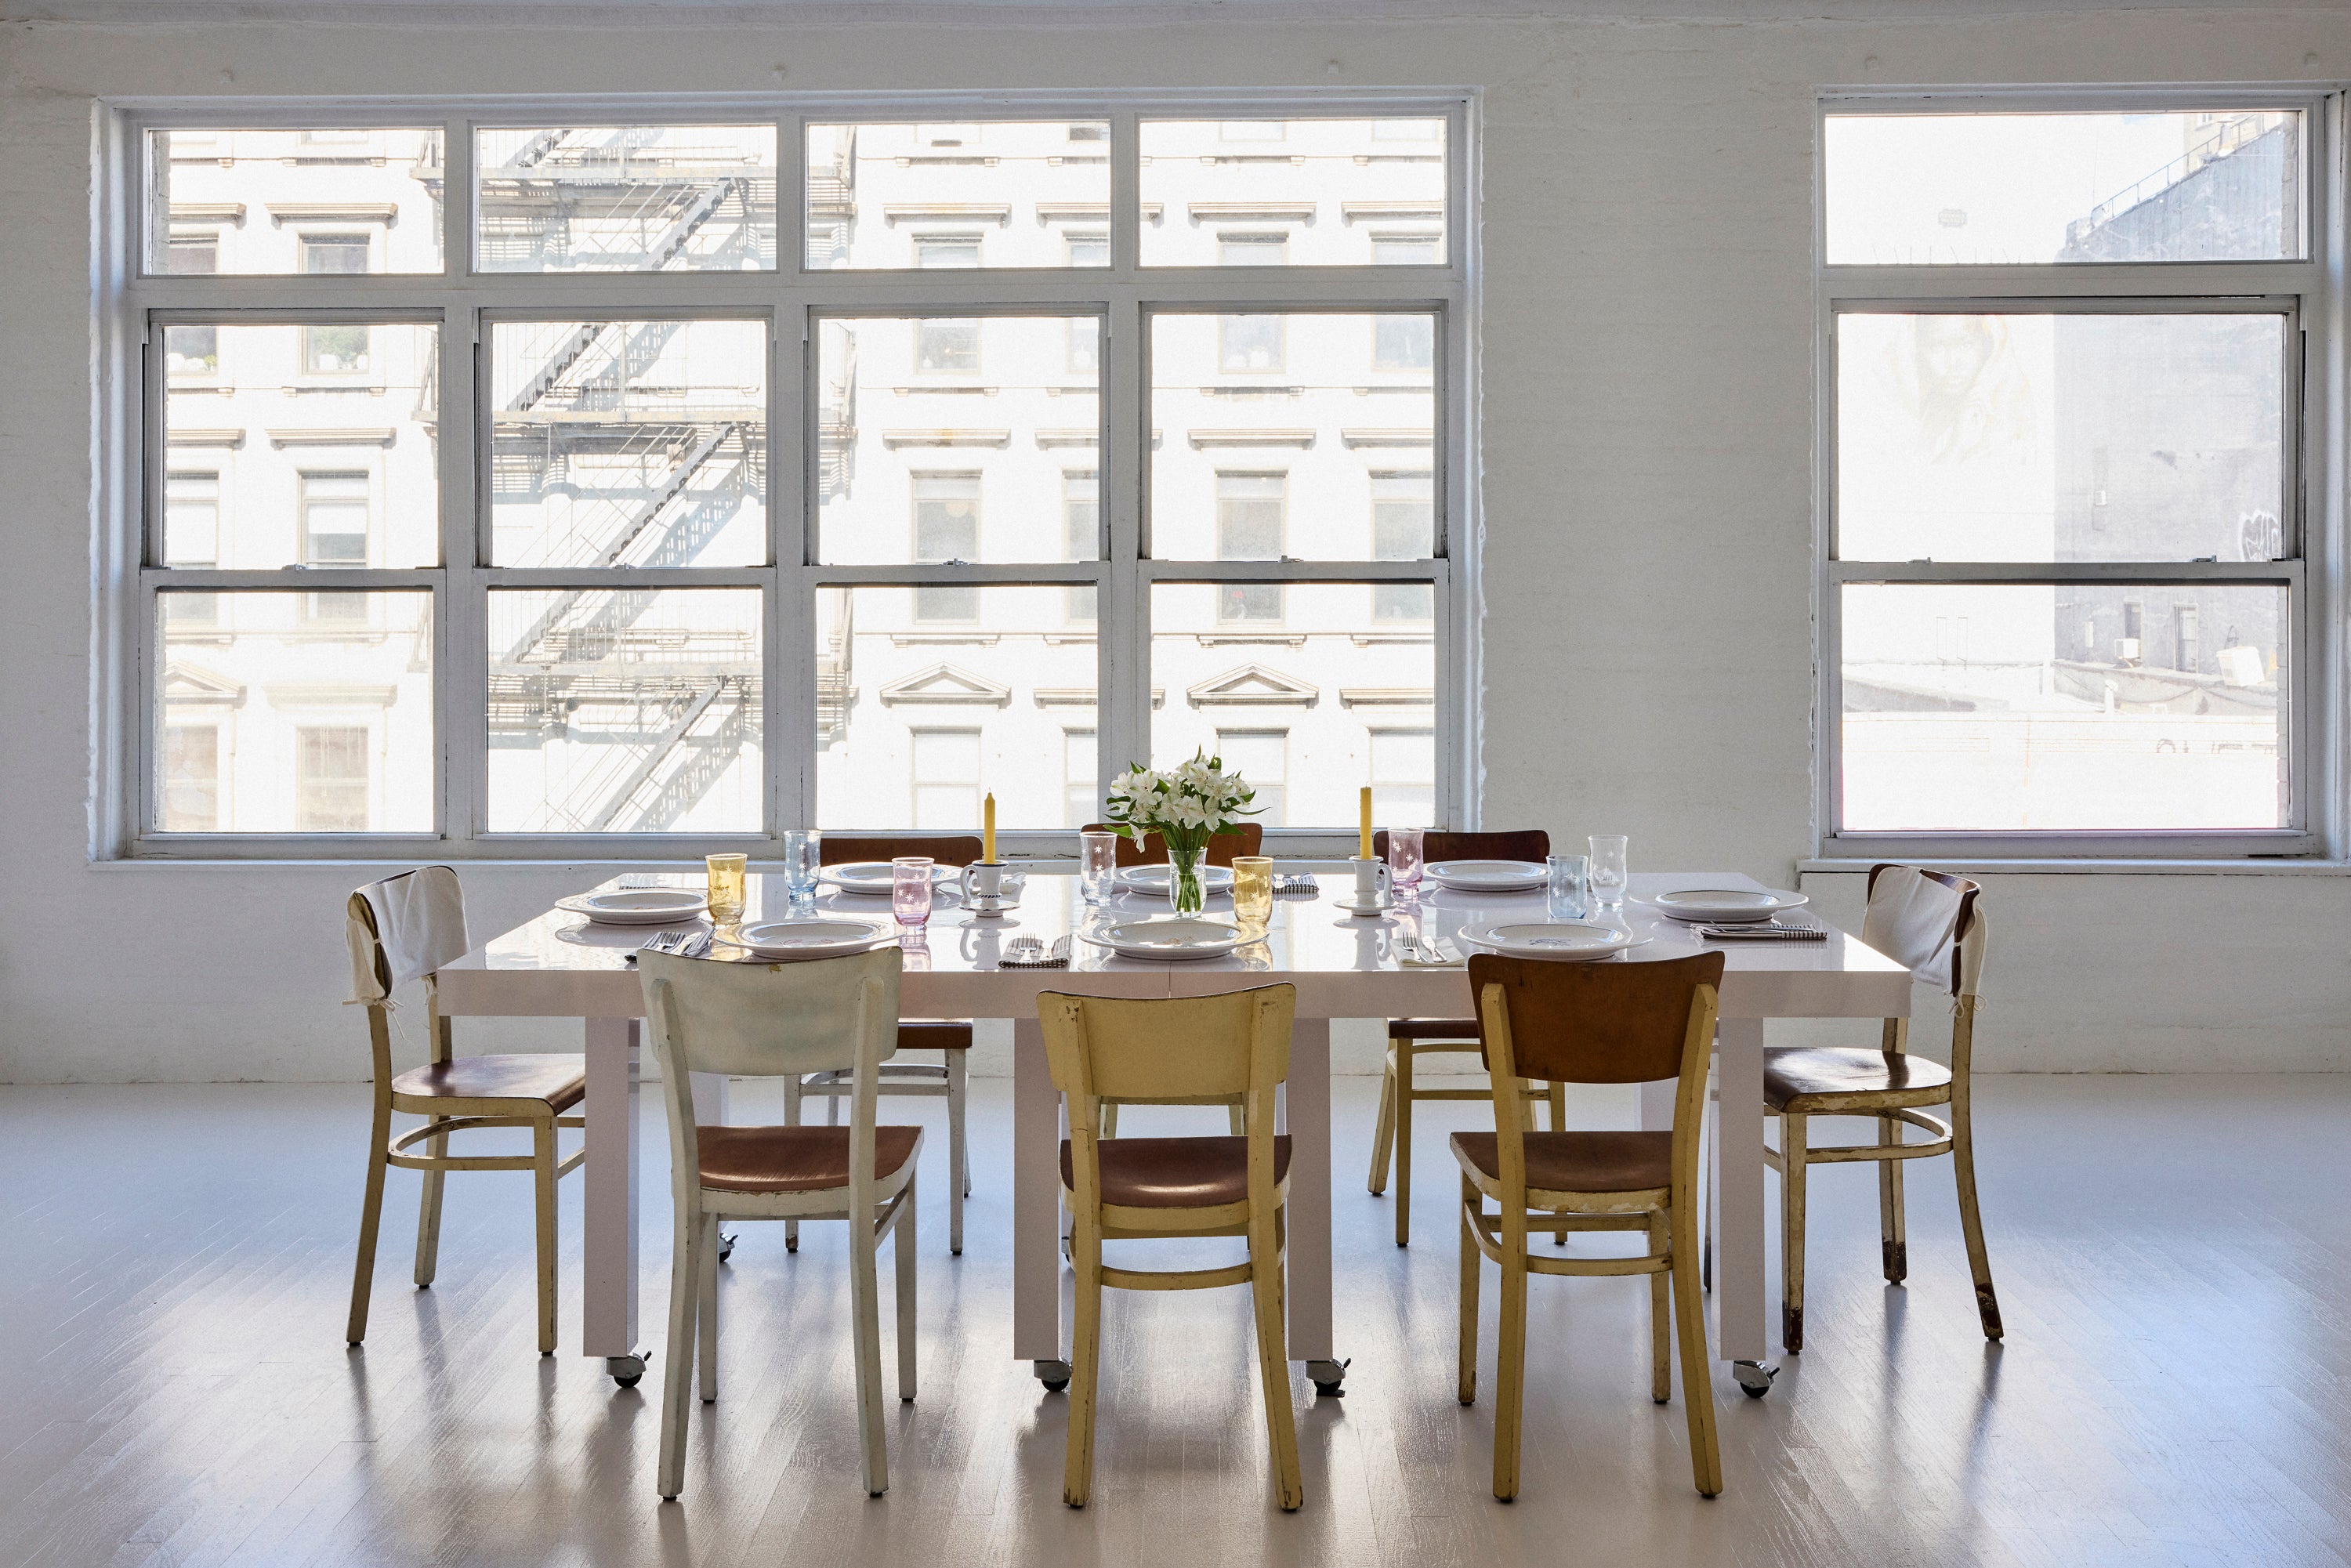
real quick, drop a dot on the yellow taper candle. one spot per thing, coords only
(1364, 841)
(987, 826)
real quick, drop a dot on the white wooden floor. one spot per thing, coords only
(2174, 1258)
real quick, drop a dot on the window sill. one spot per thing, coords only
(2102, 866)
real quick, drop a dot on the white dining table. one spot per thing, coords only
(558, 965)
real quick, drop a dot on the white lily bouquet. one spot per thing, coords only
(1186, 806)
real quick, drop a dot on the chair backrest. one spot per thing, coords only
(1167, 1048)
(1929, 921)
(1243, 839)
(1594, 1023)
(403, 928)
(948, 849)
(1522, 844)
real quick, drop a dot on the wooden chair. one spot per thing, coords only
(1411, 1038)
(1590, 1023)
(1934, 923)
(1138, 1188)
(825, 1015)
(944, 1079)
(1244, 839)
(405, 928)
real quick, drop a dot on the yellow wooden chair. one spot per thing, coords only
(1590, 1023)
(1164, 1050)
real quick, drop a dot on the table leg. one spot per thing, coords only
(608, 1273)
(1306, 1105)
(1036, 1207)
(1739, 1193)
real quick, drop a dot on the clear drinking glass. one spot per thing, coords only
(803, 856)
(726, 883)
(910, 891)
(1253, 892)
(1404, 858)
(1565, 891)
(1607, 876)
(1097, 865)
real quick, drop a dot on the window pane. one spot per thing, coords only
(1326, 679)
(628, 711)
(628, 443)
(1298, 410)
(1079, 750)
(263, 409)
(1300, 192)
(1403, 776)
(2198, 186)
(2076, 707)
(878, 193)
(628, 198)
(266, 723)
(916, 722)
(290, 201)
(2060, 437)
(948, 438)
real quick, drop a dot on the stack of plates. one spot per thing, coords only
(1184, 938)
(806, 939)
(1551, 939)
(1487, 877)
(1724, 906)
(873, 879)
(635, 906)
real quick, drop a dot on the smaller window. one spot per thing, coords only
(2184, 648)
(1404, 249)
(1252, 518)
(192, 252)
(1261, 757)
(1403, 342)
(945, 778)
(192, 351)
(191, 802)
(1086, 248)
(946, 528)
(1081, 531)
(948, 345)
(334, 509)
(1247, 344)
(1252, 249)
(330, 779)
(947, 252)
(334, 252)
(338, 351)
(1082, 350)
(1403, 776)
(1404, 528)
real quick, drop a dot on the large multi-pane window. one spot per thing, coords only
(754, 526)
(2065, 591)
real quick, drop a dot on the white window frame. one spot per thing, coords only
(2307, 292)
(462, 300)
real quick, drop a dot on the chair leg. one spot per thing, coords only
(1792, 1231)
(1470, 1262)
(1661, 1378)
(865, 1314)
(1555, 1097)
(1384, 1129)
(1558, 1099)
(428, 1212)
(370, 1218)
(1403, 1052)
(902, 1245)
(1510, 1375)
(684, 1281)
(1963, 1166)
(792, 1119)
(1085, 1360)
(1892, 1246)
(958, 1151)
(1698, 1377)
(543, 1169)
(1273, 1361)
(705, 1296)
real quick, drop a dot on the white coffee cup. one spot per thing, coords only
(1372, 879)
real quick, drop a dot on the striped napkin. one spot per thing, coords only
(1298, 886)
(1762, 931)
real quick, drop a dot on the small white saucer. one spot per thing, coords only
(1363, 911)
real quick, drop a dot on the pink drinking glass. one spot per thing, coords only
(1404, 858)
(910, 891)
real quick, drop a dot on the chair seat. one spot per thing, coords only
(560, 1079)
(930, 1034)
(1175, 1172)
(1578, 1161)
(1806, 1079)
(795, 1159)
(1463, 1030)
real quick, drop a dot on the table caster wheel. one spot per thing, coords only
(627, 1371)
(1328, 1377)
(1053, 1375)
(726, 1247)
(1754, 1377)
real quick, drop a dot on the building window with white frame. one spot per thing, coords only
(945, 778)
(2039, 421)
(1262, 758)
(1252, 513)
(331, 779)
(1081, 535)
(946, 528)
(1403, 776)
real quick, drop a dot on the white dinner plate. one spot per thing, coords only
(1707, 905)
(873, 878)
(1552, 939)
(809, 938)
(1154, 878)
(1487, 877)
(1184, 936)
(635, 906)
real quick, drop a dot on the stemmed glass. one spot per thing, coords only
(1608, 874)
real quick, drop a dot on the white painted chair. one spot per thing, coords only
(402, 929)
(781, 1020)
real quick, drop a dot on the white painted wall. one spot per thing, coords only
(1648, 363)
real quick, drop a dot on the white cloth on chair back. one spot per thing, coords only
(1911, 920)
(420, 926)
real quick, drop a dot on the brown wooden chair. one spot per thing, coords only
(1590, 1023)
(1933, 923)
(405, 928)
(1410, 1039)
(1244, 839)
(1175, 1049)
(950, 1038)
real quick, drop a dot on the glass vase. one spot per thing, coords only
(1184, 887)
